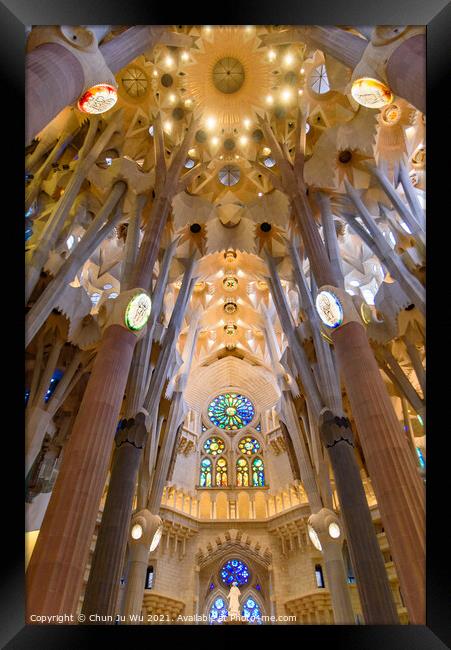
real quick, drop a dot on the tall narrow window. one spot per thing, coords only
(205, 473)
(258, 473)
(221, 472)
(242, 472)
(319, 576)
(149, 577)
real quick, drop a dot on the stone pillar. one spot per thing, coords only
(334, 566)
(397, 484)
(139, 549)
(104, 579)
(55, 572)
(372, 580)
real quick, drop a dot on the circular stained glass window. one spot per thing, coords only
(234, 571)
(231, 411)
(249, 446)
(214, 446)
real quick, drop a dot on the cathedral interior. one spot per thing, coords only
(225, 324)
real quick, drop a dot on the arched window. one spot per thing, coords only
(218, 611)
(242, 472)
(221, 472)
(251, 610)
(234, 571)
(249, 446)
(258, 473)
(205, 472)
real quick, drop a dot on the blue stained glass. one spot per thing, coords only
(420, 457)
(252, 611)
(258, 427)
(218, 611)
(234, 571)
(231, 411)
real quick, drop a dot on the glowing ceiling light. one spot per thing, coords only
(169, 61)
(271, 55)
(188, 102)
(288, 59)
(300, 91)
(167, 126)
(247, 123)
(214, 140)
(260, 194)
(266, 151)
(185, 56)
(243, 140)
(208, 28)
(155, 73)
(172, 98)
(97, 99)
(210, 122)
(302, 70)
(191, 152)
(269, 99)
(286, 95)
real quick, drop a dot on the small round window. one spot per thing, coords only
(229, 175)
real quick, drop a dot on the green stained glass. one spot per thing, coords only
(231, 411)
(258, 473)
(249, 446)
(214, 446)
(205, 472)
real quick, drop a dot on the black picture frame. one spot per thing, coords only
(15, 16)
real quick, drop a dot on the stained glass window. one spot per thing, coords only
(251, 611)
(249, 446)
(214, 446)
(258, 473)
(258, 427)
(221, 472)
(205, 472)
(242, 472)
(231, 411)
(235, 571)
(218, 611)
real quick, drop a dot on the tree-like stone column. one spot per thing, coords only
(372, 581)
(55, 573)
(104, 579)
(397, 484)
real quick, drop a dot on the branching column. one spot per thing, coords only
(55, 572)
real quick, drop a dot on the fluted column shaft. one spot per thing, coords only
(104, 579)
(397, 484)
(372, 580)
(55, 572)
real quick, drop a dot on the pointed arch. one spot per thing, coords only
(242, 472)
(221, 476)
(258, 472)
(206, 472)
